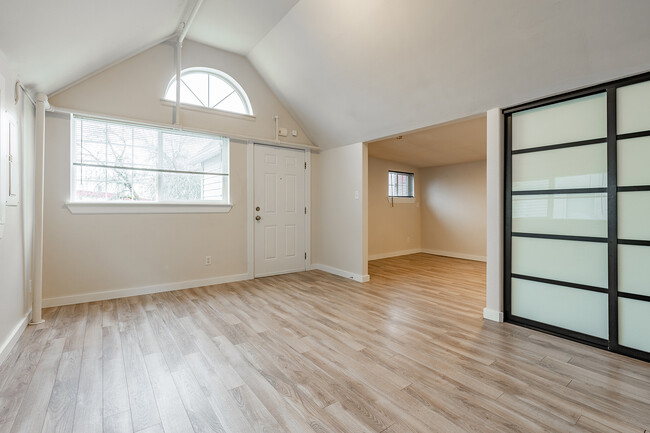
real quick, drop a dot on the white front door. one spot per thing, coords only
(279, 210)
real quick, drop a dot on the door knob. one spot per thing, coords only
(258, 218)
(257, 208)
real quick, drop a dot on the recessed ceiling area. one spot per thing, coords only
(446, 144)
(237, 26)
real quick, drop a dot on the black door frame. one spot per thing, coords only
(611, 344)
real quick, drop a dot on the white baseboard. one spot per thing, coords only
(494, 315)
(341, 273)
(146, 290)
(272, 274)
(456, 255)
(394, 254)
(13, 337)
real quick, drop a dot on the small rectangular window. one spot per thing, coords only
(400, 184)
(124, 162)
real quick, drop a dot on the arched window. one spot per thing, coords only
(210, 88)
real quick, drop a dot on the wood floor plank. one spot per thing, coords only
(199, 410)
(223, 403)
(115, 389)
(119, 422)
(19, 377)
(144, 411)
(31, 414)
(61, 408)
(172, 412)
(88, 417)
(407, 352)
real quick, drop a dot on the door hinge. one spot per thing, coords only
(305, 256)
(305, 166)
(305, 210)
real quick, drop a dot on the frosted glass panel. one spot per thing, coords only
(634, 269)
(573, 167)
(562, 214)
(634, 215)
(633, 108)
(570, 261)
(633, 158)
(578, 310)
(575, 120)
(634, 324)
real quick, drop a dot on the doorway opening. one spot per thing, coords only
(432, 213)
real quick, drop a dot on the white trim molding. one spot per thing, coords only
(217, 111)
(456, 255)
(394, 254)
(341, 273)
(250, 200)
(13, 337)
(94, 208)
(495, 211)
(493, 315)
(308, 207)
(145, 290)
(401, 200)
(233, 137)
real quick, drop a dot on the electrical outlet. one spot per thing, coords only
(208, 260)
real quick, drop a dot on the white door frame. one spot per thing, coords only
(250, 198)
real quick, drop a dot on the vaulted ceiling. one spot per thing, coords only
(352, 71)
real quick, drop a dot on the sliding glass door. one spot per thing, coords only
(577, 253)
(633, 191)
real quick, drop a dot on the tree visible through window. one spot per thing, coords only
(210, 88)
(400, 184)
(115, 161)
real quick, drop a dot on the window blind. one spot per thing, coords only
(124, 161)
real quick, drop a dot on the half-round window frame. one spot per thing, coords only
(220, 75)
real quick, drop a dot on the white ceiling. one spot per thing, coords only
(451, 143)
(53, 43)
(237, 25)
(353, 71)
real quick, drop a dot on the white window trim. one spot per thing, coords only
(221, 75)
(401, 200)
(200, 109)
(137, 207)
(94, 208)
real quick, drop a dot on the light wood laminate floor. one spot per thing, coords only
(312, 352)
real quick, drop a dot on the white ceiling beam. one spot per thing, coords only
(185, 25)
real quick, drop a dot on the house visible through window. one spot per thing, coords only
(400, 184)
(115, 161)
(211, 89)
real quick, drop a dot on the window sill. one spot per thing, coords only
(94, 208)
(401, 200)
(208, 110)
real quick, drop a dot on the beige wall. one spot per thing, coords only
(89, 255)
(134, 88)
(16, 240)
(454, 210)
(393, 227)
(340, 211)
